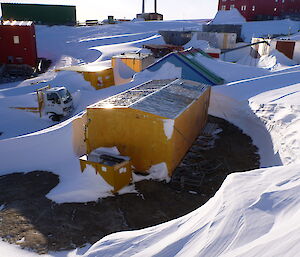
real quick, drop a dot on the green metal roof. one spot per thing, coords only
(189, 56)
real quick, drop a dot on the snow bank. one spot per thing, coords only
(80, 42)
(232, 16)
(229, 71)
(195, 43)
(274, 61)
(238, 221)
(167, 71)
(265, 28)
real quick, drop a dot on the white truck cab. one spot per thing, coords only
(58, 103)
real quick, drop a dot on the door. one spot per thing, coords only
(286, 47)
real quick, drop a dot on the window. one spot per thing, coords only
(19, 60)
(10, 59)
(243, 7)
(53, 97)
(16, 40)
(223, 7)
(253, 8)
(231, 6)
(223, 0)
(275, 9)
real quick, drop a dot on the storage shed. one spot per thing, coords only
(192, 69)
(153, 123)
(218, 39)
(18, 43)
(136, 61)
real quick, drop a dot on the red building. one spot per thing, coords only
(263, 9)
(17, 43)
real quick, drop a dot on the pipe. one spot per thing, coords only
(155, 6)
(224, 51)
(143, 7)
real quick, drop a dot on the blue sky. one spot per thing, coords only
(100, 9)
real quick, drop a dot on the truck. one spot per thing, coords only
(56, 103)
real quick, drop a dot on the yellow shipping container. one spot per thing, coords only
(98, 76)
(154, 123)
(136, 61)
(115, 169)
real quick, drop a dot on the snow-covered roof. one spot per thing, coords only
(97, 67)
(232, 16)
(133, 55)
(165, 98)
(17, 23)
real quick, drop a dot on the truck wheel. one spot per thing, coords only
(54, 117)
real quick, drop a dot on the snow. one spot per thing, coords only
(82, 43)
(295, 37)
(232, 16)
(195, 43)
(256, 28)
(269, 28)
(168, 128)
(89, 186)
(237, 221)
(230, 71)
(167, 71)
(159, 172)
(156, 172)
(274, 61)
(255, 213)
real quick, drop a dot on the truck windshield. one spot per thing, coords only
(65, 95)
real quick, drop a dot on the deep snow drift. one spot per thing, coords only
(253, 214)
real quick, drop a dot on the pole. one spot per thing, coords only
(155, 6)
(143, 7)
